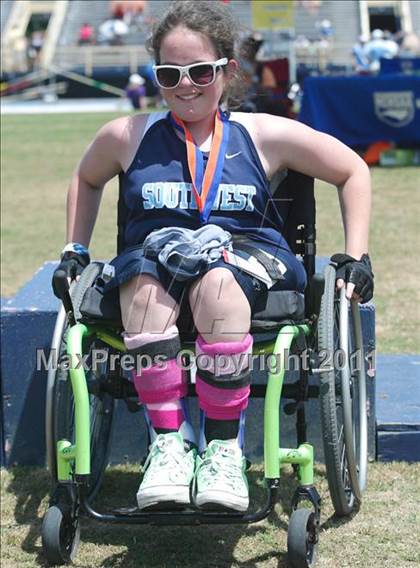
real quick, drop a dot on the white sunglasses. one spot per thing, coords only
(200, 74)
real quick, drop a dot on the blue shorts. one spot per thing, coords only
(131, 263)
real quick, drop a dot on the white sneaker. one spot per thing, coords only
(220, 480)
(169, 470)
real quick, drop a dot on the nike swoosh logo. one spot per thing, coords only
(230, 156)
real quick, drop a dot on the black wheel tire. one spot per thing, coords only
(60, 536)
(101, 407)
(332, 418)
(302, 539)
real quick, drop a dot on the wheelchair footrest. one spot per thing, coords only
(132, 515)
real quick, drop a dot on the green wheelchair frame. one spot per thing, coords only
(79, 452)
(343, 416)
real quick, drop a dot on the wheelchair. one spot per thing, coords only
(323, 324)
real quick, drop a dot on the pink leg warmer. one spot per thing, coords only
(162, 385)
(223, 384)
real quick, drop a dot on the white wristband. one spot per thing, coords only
(76, 248)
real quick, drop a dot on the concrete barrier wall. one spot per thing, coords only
(27, 323)
(398, 408)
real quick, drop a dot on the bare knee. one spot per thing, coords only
(220, 308)
(146, 307)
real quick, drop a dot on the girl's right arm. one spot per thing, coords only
(111, 152)
(101, 162)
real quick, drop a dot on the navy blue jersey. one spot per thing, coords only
(157, 188)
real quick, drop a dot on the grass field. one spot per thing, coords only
(39, 152)
(384, 534)
(38, 156)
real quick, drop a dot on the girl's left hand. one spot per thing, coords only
(356, 275)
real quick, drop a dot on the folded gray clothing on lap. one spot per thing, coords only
(184, 252)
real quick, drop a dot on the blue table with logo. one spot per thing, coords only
(406, 65)
(360, 110)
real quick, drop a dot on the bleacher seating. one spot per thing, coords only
(344, 18)
(6, 6)
(80, 11)
(94, 13)
(345, 21)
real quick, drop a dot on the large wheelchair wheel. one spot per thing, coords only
(59, 399)
(342, 396)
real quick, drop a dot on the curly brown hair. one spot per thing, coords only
(211, 18)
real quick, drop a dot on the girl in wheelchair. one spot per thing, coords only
(199, 165)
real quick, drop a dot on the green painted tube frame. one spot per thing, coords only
(65, 454)
(81, 453)
(304, 457)
(274, 456)
(272, 449)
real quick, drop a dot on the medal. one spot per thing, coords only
(205, 181)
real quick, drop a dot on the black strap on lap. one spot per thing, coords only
(244, 244)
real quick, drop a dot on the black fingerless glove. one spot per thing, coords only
(74, 259)
(358, 272)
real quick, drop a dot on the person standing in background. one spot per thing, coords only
(136, 91)
(86, 34)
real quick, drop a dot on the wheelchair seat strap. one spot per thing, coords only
(243, 244)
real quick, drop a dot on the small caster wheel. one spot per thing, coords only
(60, 535)
(302, 538)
